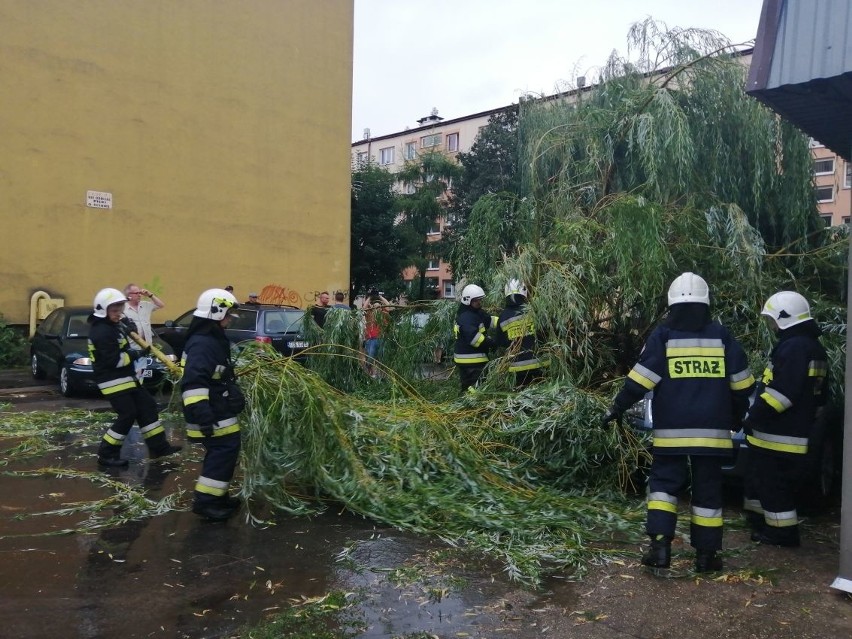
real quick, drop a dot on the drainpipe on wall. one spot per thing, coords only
(844, 579)
(38, 295)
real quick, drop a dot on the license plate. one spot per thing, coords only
(147, 373)
(297, 344)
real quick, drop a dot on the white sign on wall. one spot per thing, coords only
(98, 200)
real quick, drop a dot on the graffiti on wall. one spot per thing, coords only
(275, 294)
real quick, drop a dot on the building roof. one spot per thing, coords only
(802, 67)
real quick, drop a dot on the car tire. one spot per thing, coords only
(64, 382)
(37, 370)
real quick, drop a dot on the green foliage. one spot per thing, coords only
(332, 616)
(489, 168)
(649, 174)
(468, 470)
(13, 346)
(376, 243)
(430, 176)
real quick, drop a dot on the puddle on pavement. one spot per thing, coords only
(175, 575)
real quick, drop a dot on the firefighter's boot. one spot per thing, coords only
(707, 561)
(659, 555)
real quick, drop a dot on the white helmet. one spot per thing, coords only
(214, 303)
(105, 298)
(471, 292)
(787, 308)
(515, 287)
(689, 287)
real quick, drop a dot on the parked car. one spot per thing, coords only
(278, 326)
(820, 473)
(59, 350)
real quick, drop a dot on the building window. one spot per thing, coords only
(453, 142)
(433, 265)
(449, 289)
(432, 284)
(386, 155)
(435, 229)
(847, 177)
(824, 193)
(410, 150)
(408, 188)
(826, 219)
(361, 159)
(823, 166)
(428, 141)
(846, 219)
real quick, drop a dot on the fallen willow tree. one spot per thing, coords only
(529, 479)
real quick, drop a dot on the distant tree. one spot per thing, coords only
(377, 247)
(430, 177)
(489, 167)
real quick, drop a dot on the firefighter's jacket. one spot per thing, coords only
(517, 332)
(794, 385)
(111, 355)
(472, 340)
(701, 383)
(208, 388)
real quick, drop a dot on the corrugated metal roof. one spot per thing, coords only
(802, 67)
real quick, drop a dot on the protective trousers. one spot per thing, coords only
(669, 477)
(220, 461)
(769, 495)
(135, 405)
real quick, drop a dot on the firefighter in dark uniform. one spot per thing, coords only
(472, 340)
(792, 389)
(517, 333)
(701, 382)
(113, 363)
(212, 400)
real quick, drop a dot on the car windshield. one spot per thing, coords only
(282, 321)
(78, 327)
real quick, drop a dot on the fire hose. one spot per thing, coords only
(156, 352)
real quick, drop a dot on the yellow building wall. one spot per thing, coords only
(221, 129)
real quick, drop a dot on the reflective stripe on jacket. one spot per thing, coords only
(792, 388)
(700, 382)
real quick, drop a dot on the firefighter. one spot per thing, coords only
(113, 363)
(472, 340)
(792, 389)
(517, 333)
(701, 382)
(212, 400)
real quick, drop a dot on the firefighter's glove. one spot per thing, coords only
(206, 429)
(748, 426)
(612, 416)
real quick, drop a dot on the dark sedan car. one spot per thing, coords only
(59, 350)
(278, 326)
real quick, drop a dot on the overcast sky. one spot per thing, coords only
(466, 56)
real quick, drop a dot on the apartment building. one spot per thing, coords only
(432, 133)
(832, 174)
(832, 185)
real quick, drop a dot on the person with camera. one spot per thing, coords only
(113, 363)
(212, 401)
(375, 318)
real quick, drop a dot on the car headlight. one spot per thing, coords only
(83, 361)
